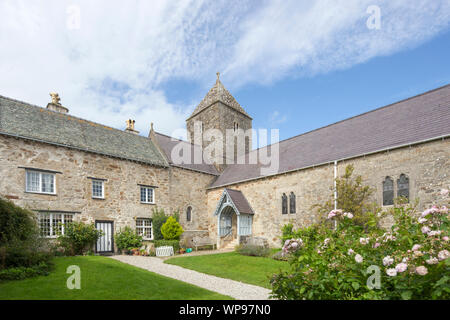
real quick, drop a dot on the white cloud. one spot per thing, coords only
(116, 64)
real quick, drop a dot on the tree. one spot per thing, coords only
(171, 229)
(352, 196)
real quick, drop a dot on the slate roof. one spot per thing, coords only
(420, 118)
(218, 93)
(167, 144)
(240, 201)
(27, 121)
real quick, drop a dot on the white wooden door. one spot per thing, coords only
(105, 242)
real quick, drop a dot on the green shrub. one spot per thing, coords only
(78, 238)
(171, 229)
(19, 273)
(16, 224)
(158, 219)
(412, 258)
(20, 243)
(253, 250)
(127, 239)
(171, 243)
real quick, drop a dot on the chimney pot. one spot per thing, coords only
(55, 104)
(130, 126)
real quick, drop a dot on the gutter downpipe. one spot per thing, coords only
(335, 190)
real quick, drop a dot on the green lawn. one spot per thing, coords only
(103, 278)
(252, 270)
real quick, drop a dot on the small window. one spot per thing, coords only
(189, 213)
(144, 228)
(52, 224)
(292, 203)
(235, 126)
(403, 186)
(284, 204)
(40, 182)
(147, 195)
(98, 189)
(388, 192)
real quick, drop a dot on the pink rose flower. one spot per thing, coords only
(444, 254)
(425, 230)
(416, 247)
(387, 261)
(359, 258)
(422, 270)
(401, 267)
(391, 272)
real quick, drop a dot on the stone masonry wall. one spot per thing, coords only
(427, 166)
(176, 188)
(221, 117)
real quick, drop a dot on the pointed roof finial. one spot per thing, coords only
(151, 126)
(218, 75)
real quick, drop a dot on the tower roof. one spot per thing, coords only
(218, 93)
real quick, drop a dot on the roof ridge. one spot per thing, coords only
(216, 92)
(71, 116)
(355, 116)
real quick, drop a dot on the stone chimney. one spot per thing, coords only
(130, 126)
(55, 105)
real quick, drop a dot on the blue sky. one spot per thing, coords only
(295, 65)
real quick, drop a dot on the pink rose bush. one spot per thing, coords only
(413, 257)
(291, 246)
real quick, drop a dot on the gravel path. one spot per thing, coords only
(232, 288)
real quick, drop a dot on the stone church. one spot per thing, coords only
(65, 168)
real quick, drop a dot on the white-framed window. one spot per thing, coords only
(144, 228)
(98, 189)
(51, 224)
(40, 182)
(147, 194)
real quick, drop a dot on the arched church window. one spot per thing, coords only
(403, 186)
(189, 213)
(388, 192)
(292, 203)
(284, 204)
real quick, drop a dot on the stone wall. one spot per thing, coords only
(176, 188)
(427, 166)
(221, 117)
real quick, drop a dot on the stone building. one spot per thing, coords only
(65, 168)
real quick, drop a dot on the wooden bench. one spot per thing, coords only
(201, 242)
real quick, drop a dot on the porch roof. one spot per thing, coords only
(240, 201)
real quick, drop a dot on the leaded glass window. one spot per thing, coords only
(52, 224)
(144, 228)
(98, 189)
(284, 204)
(403, 186)
(292, 203)
(147, 195)
(388, 192)
(40, 182)
(189, 213)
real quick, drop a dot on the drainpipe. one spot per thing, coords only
(335, 191)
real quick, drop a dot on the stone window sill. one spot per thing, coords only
(43, 193)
